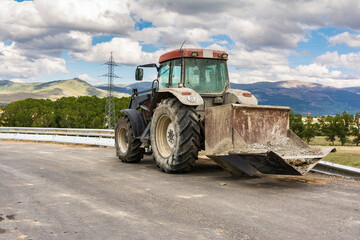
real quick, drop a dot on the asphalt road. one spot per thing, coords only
(51, 191)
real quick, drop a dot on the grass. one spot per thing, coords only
(348, 155)
(321, 141)
(345, 157)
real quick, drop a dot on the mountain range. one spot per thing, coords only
(302, 97)
(13, 91)
(353, 89)
(127, 88)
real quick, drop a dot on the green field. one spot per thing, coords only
(345, 157)
(321, 141)
(348, 155)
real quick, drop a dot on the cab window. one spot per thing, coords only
(175, 73)
(164, 74)
(170, 74)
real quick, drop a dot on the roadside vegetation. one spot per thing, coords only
(88, 112)
(65, 112)
(348, 156)
(328, 130)
(340, 131)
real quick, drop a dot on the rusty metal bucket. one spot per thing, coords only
(246, 139)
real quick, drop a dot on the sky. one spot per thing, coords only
(267, 40)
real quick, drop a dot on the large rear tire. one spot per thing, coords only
(175, 136)
(127, 146)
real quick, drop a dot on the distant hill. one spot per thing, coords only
(127, 88)
(304, 97)
(13, 91)
(353, 89)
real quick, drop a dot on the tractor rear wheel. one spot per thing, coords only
(127, 146)
(175, 136)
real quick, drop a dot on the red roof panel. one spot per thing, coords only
(187, 53)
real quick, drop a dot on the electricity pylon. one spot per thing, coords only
(109, 117)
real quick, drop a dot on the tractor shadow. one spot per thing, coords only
(206, 168)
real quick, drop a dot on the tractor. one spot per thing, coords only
(191, 107)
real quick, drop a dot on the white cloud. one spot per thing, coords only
(316, 71)
(165, 36)
(334, 60)
(171, 36)
(307, 73)
(20, 21)
(197, 35)
(352, 40)
(255, 24)
(146, 35)
(106, 16)
(153, 11)
(43, 29)
(25, 20)
(258, 59)
(54, 44)
(125, 51)
(49, 27)
(262, 34)
(218, 47)
(272, 65)
(15, 65)
(88, 79)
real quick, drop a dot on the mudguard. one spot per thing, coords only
(240, 96)
(137, 121)
(186, 96)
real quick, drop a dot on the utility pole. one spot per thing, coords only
(109, 117)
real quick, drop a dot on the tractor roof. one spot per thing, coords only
(193, 52)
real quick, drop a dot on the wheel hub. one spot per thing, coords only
(123, 140)
(165, 136)
(171, 135)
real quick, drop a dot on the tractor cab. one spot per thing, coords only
(204, 71)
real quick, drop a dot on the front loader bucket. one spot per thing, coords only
(246, 139)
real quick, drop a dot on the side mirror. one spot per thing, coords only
(139, 73)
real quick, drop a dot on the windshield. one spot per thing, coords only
(206, 75)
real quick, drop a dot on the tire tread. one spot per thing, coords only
(184, 157)
(134, 154)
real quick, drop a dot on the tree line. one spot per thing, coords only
(65, 112)
(88, 112)
(340, 126)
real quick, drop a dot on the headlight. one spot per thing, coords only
(191, 98)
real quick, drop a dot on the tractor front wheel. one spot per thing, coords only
(175, 136)
(127, 146)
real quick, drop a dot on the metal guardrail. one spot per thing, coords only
(105, 137)
(59, 131)
(99, 137)
(336, 169)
